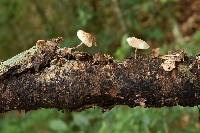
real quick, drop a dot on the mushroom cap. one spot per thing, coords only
(86, 38)
(137, 43)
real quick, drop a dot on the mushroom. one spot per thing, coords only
(86, 38)
(137, 44)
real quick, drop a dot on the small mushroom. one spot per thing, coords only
(86, 38)
(137, 44)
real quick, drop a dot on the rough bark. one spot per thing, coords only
(47, 76)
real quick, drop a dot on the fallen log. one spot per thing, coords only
(47, 76)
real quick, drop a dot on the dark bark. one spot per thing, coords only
(51, 77)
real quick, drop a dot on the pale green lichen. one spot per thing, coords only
(18, 60)
(35, 57)
(45, 53)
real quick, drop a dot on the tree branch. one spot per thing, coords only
(47, 76)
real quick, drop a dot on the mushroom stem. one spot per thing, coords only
(80, 45)
(135, 52)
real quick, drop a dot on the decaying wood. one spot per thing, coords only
(47, 76)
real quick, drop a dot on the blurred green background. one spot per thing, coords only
(167, 24)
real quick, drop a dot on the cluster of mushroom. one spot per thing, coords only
(89, 40)
(169, 60)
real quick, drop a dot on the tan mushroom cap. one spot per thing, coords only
(86, 38)
(137, 43)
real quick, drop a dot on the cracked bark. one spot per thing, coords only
(47, 76)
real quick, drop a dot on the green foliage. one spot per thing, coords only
(120, 119)
(58, 125)
(23, 22)
(124, 50)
